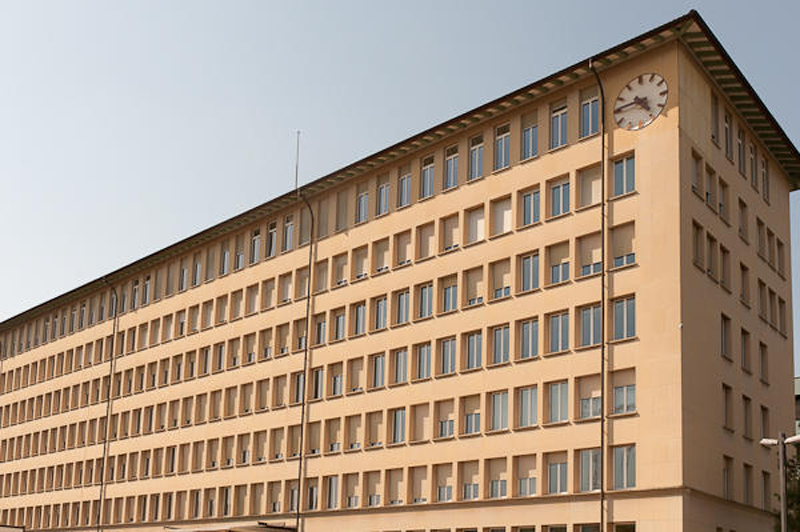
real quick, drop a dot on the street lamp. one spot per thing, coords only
(781, 443)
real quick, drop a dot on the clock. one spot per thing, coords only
(640, 101)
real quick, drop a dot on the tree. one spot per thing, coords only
(792, 491)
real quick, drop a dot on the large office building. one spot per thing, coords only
(527, 318)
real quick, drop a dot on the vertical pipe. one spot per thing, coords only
(309, 292)
(782, 471)
(602, 294)
(111, 366)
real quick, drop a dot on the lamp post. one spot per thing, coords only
(781, 444)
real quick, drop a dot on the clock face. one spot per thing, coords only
(640, 101)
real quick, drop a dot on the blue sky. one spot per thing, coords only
(127, 125)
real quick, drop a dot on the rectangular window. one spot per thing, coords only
(528, 406)
(624, 176)
(426, 301)
(382, 206)
(590, 325)
(530, 136)
(590, 469)
(725, 336)
(450, 298)
(728, 133)
(475, 157)
(624, 318)
(255, 250)
(624, 467)
(502, 147)
(399, 425)
(559, 399)
(559, 332)
(400, 369)
(499, 404)
(404, 190)
(402, 307)
(380, 313)
(558, 126)
(450, 167)
(474, 350)
(764, 179)
(559, 198)
(423, 361)
(530, 207)
(589, 112)
(362, 207)
(378, 371)
(426, 182)
(740, 150)
(360, 319)
(448, 348)
(714, 118)
(500, 344)
(288, 233)
(529, 339)
(624, 399)
(529, 265)
(557, 478)
(752, 156)
(272, 240)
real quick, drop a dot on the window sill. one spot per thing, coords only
(728, 429)
(526, 428)
(589, 207)
(555, 424)
(470, 370)
(377, 273)
(420, 319)
(445, 375)
(453, 248)
(474, 179)
(497, 431)
(587, 419)
(474, 243)
(529, 291)
(557, 353)
(281, 304)
(500, 235)
(498, 364)
(447, 312)
(449, 189)
(354, 336)
(426, 198)
(397, 384)
(623, 196)
(398, 325)
(469, 435)
(419, 379)
(501, 170)
(724, 286)
(744, 302)
(354, 392)
(404, 264)
(357, 279)
(558, 216)
(586, 347)
(587, 276)
(501, 298)
(527, 359)
(560, 283)
(338, 285)
(558, 148)
(623, 340)
(623, 415)
(395, 445)
(474, 305)
(375, 447)
(697, 193)
(443, 438)
(528, 226)
(423, 259)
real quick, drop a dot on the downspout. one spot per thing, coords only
(602, 295)
(112, 364)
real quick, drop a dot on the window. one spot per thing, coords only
(727, 477)
(763, 362)
(740, 150)
(744, 283)
(426, 301)
(559, 273)
(589, 112)
(360, 319)
(402, 307)
(426, 183)
(500, 344)
(472, 422)
(450, 296)
(362, 206)
(557, 477)
(727, 412)
(625, 399)
(400, 366)
(725, 336)
(502, 147)
(624, 318)
(590, 325)
(558, 125)
(528, 406)
(764, 179)
(288, 233)
(378, 371)
(728, 135)
(590, 469)
(529, 264)
(423, 361)
(743, 219)
(753, 167)
(450, 168)
(714, 118)
(272, 238)
(404, 190)
(697, 171)
(529, 339)
(338, 325)
(380, 313)
(475, 225)
(255, 250)
(497, 488)
(624, 467)
(624, 176)
(559, 197)
(499, 402)
(448, 355)
(747, 417)
(475, 158)
(530, 207)
(589, 183)
(474, 348)
(399, 425)
(382, 206)
(558, 402)
(559, 332)
(530, 136)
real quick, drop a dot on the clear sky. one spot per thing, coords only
(127, 125)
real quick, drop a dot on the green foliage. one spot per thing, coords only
(792, 490)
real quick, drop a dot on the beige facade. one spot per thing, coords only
(451, 328)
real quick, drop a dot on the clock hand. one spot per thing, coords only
(621, 107)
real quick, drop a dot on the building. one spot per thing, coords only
(464, 342)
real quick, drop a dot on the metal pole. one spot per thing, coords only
(782, 471)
